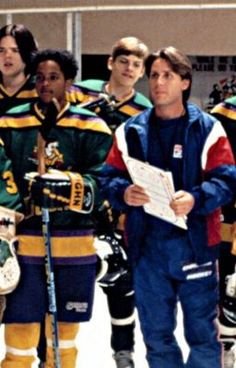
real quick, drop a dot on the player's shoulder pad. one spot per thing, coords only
(76, 109)
(226, 108)
(19, 117)
(19, 109)
(85, 119)
(231, 100)
(142, 100)
(91, 84)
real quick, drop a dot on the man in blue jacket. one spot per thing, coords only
(170, 263)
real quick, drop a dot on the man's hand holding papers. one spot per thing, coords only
(154, 189)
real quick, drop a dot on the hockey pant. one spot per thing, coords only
(22, 340)
(120, 299)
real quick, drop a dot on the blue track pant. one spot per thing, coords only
(167, 273)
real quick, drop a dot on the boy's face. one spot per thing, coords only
(11, 63)
(50, 82)
(126, 70)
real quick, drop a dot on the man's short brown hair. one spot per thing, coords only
(178, 62)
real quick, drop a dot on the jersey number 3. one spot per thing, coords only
(11, 187)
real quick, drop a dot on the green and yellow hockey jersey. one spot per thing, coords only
(79, 142)
(26, 93)
(115, 113)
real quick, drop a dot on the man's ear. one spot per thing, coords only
(185, 84)
(109, 63)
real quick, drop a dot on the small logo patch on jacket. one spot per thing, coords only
(178, 151)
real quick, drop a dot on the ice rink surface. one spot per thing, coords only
(94, 339)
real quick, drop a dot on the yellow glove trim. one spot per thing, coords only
(77, 191)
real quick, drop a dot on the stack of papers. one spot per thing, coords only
(159, 186)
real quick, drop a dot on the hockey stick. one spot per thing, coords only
(49, 261)
(2, 306)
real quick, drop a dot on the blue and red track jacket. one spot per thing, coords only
(209, 174)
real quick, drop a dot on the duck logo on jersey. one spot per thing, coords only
(53, 157)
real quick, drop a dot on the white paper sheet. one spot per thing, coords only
(159, 186)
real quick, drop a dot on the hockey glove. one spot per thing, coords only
(112, 259)
(60, 190)
(105, 219)
(9, 267)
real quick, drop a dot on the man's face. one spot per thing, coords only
(126, 69)
(11, 63)
(50, 82)
(166, 86)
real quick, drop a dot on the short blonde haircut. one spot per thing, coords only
(130, 46)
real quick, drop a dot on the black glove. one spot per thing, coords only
(105, 218)
(58, 190)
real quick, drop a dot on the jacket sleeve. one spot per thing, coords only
(114, 178)
(219, 173)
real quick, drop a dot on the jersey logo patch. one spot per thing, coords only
(53, 157)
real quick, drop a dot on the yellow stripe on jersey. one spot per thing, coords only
(28, 94)
(94, 123)
(226, 112)
(75, 96)
(34, 246)
(24, 121)
(227, 232)
(129, 110)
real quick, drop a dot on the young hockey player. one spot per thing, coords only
(17, 86)
(17, 46)
(170, 263)
(69, 144)
(126, 66)
(226, 113)
(115, 101)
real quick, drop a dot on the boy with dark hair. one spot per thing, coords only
(69, 144)
(17, 47)
(115, 101)
(171, 263)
